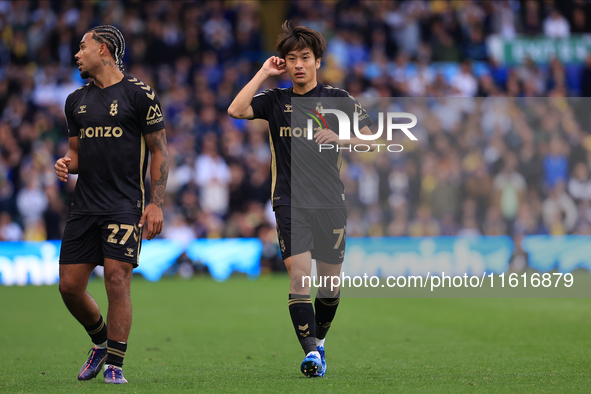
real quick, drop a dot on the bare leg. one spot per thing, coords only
(118, 284)
(72, 286)
(331, 270)
(299, 266)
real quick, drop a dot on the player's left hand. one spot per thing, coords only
(153, 216)
(324, 136)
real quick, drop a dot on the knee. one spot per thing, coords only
(299, 279)
(328, 292)
(300, 284)
(117, 280)
(68, 288)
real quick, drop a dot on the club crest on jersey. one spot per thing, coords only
(82, 109)
(319, 107)
(114, 106)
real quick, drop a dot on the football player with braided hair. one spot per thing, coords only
(113, 39)
(113, 123)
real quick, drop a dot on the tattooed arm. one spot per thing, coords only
(156, 142)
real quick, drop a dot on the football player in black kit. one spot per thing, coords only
(113, 122)
(309, 208)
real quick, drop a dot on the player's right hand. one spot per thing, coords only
(61, 168)
(274, 66)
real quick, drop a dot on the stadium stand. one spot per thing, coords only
(465, 177)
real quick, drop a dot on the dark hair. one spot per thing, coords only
(113, 39)
(300, 37)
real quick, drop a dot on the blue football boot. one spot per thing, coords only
(93, 365)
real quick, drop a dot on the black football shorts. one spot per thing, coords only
(321, 231)
(92, 238)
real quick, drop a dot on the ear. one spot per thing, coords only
(102, 49)
(318, 61)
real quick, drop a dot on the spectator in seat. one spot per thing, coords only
(556, 25)
(9, 230)
(559, 212)
(579, 184)
(213, 177)
(509, 187)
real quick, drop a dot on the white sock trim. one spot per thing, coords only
(320, 342)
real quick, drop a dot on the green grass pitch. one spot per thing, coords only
(201, 336)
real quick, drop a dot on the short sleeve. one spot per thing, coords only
(70, 122)
(149, 111)
(262, 105)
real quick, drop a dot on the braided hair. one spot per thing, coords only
(113, 39)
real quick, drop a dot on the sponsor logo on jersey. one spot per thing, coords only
(101, 132)
(295, 132)
(288, 108)
(154, 112)
(114, 109)
(82, 109)
(129, 252)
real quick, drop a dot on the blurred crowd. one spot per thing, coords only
(481, 166)
(485, 166)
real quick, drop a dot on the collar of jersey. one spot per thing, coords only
(109, 87)
(308, 93)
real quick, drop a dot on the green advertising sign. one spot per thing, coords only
(542, 50)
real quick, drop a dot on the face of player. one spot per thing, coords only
(88, 57)
(301, 67)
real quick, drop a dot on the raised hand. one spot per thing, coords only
(274, 66)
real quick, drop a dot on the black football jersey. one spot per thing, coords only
(301, 175)
(112, 155)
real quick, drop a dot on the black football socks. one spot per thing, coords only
(302, 317)
(97, 332)
(325, 308)
(115, 353)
